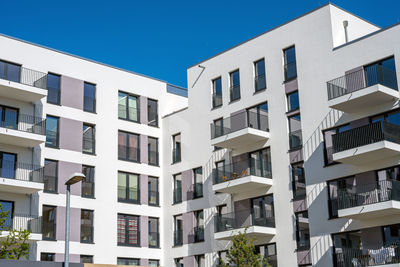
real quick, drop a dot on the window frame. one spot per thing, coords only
(157, 163)
(93, 127)
(157, 204)
(286, 63)
(59, 89)
(57, 146)
(127, 107)
(56, 177)
(91, 215)
(256, 75)
(214, 92)
(94, 97)
(93, 183)
(127, 199)
(156, 113)
(126, 230)
(232, 86)
(129, 147)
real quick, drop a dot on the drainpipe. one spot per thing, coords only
(345, 24)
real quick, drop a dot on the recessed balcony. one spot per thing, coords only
(370, 200)
(363, 89)
(21, 83)
(367, 143)
(22, 130)
(16, 221)
(20, 178)
(242, 177)
(258, 227)
(240, 130)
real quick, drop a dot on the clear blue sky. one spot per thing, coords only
(161, 38)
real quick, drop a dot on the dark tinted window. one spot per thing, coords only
(293, 101)
(152, 112)
(89, 97)
(53, 88)
(88, 183)
(52, 127)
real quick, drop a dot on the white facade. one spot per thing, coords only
(322, 54)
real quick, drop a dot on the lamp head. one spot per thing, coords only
(75, 178)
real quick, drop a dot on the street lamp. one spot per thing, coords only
(73, 179)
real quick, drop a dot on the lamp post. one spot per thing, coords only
(75, 178)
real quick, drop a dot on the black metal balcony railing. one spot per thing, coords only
(361, 79)
(178, 238)
(290, 71)
(177, 195)
(198, 233)
(260, 82)
(154, 239)
(349, 257)
(153, 157)
(369, 194)
(295, 140)
(128, 153)
(32, 223)
(128, 113)
(176, 155)
(216, 100)
(241, 169)
(21, 171)
(25, 123)
(242, 219)
(365, 135)
(234, 92)
(239, 121)
(24, 76)
(128, 194)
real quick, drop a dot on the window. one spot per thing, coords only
(268, 251)
(154, 263)
(9, 117)
(178, 262)
(44, 256)
(259, 79)
(293, 101)
(88, 183)
(152, 112)
(89, 140)
(199, 226)
(8, 165)
(128, 187)
(128, 230)
(200, 260)
(153, 191)
(128, 146)
(302, 231)
(382, 72)
(86, 259)
(49, 222)
(53, 88)
(176, 151)
(86, 226)
(50, 176)
(217, 93)
(218, 129)
(128, 107)
(290, 63)
(52, 128)
(260, 163)
(235, 85)
(89, 97)
(128, 261)
(8, 207)
(154, 235)
(257, 117)
(334, 187)
(152, 146)
(198, 182)
(262, 209)
(295, 137)
(178, 230)
(177, 188)
(298, 181)
(10, 71)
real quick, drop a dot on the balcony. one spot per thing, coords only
(23, 222)
(241, 176)
(370, 200)
(240, 130)
(22, 130)
(367, 143)
(388, 255)
(363, 89)
(230, 224)
(20, 178)
(21, 83)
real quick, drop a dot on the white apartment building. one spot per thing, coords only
(293, 135)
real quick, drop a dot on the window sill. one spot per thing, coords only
(54, 147)
(154, 205)
(88, 153)
(88, 197)
(88, 111)
(177, 203)
(154, 165)
(256, 92)
(128, 245)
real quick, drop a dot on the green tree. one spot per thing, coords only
(243, 253)
(15, 246)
